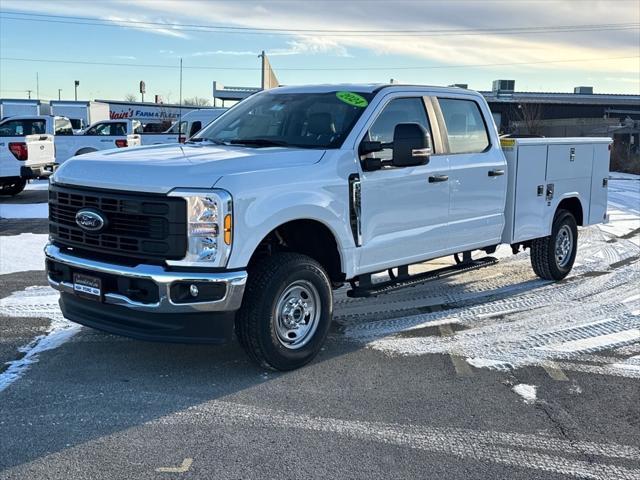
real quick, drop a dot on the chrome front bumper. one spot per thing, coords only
(231, 301)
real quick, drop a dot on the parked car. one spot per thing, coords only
(24, 158)
(296, 190)
(66, 143)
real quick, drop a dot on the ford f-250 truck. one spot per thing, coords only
(24, 158)
(297, 190)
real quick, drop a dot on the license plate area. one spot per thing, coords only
(87, 286)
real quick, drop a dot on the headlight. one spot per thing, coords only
(209, 228)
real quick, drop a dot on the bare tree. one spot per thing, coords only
(530, 117)
(197, 101)
(130, 97)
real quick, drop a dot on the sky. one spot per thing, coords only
(110, 45)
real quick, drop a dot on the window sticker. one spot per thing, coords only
(352, 99)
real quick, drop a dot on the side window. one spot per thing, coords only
(63, 127)
(400, 110)
(18, 128)
(466, 130)
(195, 128)
(119, 129)
(103, 129)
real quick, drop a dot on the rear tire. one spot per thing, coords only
(13, 188)
(286, 311)
(552, 257)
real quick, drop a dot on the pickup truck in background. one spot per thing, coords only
(298, 190)
(131, 127)
(66, 143)
(23, 159)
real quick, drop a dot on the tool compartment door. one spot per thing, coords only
(530, 201)
(569, 161)
(599, 184)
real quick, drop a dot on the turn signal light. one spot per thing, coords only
(19, 150)
(228, 227)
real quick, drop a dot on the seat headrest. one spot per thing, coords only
(321, 124)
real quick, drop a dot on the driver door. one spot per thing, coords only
(404, 211)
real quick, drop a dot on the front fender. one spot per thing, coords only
(272, 202)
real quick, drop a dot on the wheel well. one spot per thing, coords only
(574, 206)
(308, 237)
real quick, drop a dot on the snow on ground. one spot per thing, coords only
(528, 392)
(26, 210)
(21, 253)
(35, 302)
(505, 317)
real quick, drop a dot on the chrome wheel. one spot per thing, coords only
(297, 314)
(564, 246)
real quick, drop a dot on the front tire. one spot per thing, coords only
(552, 257)
(13, 188)
(286, 311)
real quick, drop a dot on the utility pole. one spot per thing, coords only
(180, 114)
(29, 93)
(76, 83)
(37, 86)
(59, 92)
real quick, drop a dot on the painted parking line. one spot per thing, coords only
(554, 371)
(460, 364)
(184, 467)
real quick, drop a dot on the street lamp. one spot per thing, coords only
(76, 83)
(59, 93)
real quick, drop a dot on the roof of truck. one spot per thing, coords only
(365, 88)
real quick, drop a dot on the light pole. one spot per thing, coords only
(76, 83)
(59, 92)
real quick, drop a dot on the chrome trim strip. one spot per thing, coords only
(235, 282)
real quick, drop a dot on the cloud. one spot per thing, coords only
(125, 57)
(170, 30)
(224, 52)
(309, 45)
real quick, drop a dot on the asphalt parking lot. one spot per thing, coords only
(493, 374)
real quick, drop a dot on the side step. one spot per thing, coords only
(374, 289)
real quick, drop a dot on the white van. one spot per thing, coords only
(194, 121)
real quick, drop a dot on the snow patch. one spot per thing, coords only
(528, 392)
(35, 302)
(21, 253)
(26, 210)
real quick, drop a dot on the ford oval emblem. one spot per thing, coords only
(90, 220)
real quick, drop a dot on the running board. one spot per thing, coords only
(372, 290)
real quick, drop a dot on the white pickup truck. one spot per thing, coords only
(66, 143)
(297, 190)
(22, 159)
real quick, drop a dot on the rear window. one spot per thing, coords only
(466, 130)
(18, 128)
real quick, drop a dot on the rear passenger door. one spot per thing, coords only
(477, 175)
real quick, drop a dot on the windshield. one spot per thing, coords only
(306, 120)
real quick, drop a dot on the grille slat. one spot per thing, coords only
(144, 227)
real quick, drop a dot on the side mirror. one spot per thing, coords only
(366, 147)
(411, 145)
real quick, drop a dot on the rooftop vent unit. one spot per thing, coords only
(583, 90)
(504, 86)
(460, 85)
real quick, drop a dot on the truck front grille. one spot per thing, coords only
(138, 226)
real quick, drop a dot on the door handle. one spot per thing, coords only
(438, 178)
(496, 173)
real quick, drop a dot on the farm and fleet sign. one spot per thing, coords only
(159, 113)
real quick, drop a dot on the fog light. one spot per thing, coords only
(193, 290)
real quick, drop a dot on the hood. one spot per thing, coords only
(161, 168)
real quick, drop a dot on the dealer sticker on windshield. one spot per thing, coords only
(353, 99)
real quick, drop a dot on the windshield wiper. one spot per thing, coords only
(260, 142)
(202, 140)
